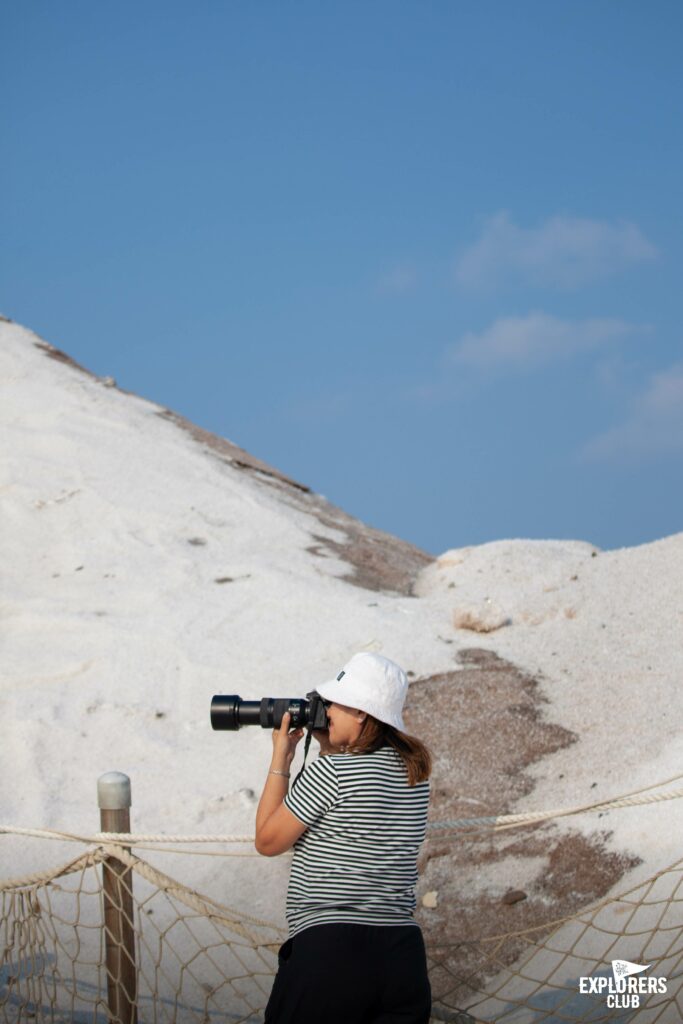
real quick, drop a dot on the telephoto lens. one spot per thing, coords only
(230, 712)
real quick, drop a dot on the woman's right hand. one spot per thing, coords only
(284, 743)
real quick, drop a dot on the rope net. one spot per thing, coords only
(564, 970)
(109, 937)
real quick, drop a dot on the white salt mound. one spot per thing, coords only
(117, 527)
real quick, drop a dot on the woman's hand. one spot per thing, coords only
(277, 829)
(284, 743)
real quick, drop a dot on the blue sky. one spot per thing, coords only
(424, 257)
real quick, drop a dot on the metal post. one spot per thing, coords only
(113, 798)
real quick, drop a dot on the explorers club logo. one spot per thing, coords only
(623, 990)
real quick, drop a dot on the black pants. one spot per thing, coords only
(352, 974)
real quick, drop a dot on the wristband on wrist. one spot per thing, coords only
(276, 771)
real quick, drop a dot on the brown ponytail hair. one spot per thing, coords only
(415, 755)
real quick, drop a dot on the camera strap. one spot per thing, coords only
(307, 743)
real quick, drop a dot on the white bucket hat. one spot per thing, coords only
(372, 683)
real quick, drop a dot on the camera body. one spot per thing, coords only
(230, 712)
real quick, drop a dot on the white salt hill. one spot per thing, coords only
(148, 565)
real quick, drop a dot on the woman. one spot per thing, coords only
(356, 819)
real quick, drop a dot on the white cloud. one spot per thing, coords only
(565, 251)
(537, 338)
(653, 427)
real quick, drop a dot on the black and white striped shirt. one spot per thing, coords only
(357, 860)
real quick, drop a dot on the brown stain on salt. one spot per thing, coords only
(485, 725)
(62, 357)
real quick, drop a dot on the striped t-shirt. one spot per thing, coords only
(357, 860)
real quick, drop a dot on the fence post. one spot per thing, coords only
(113, 798)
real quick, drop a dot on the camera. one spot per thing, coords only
(231, 712)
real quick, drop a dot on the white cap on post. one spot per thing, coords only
(113, 791)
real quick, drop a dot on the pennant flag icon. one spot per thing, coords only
(622, 968)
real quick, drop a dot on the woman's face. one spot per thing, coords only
(345, 724)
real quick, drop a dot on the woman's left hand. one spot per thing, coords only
(284, 742)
